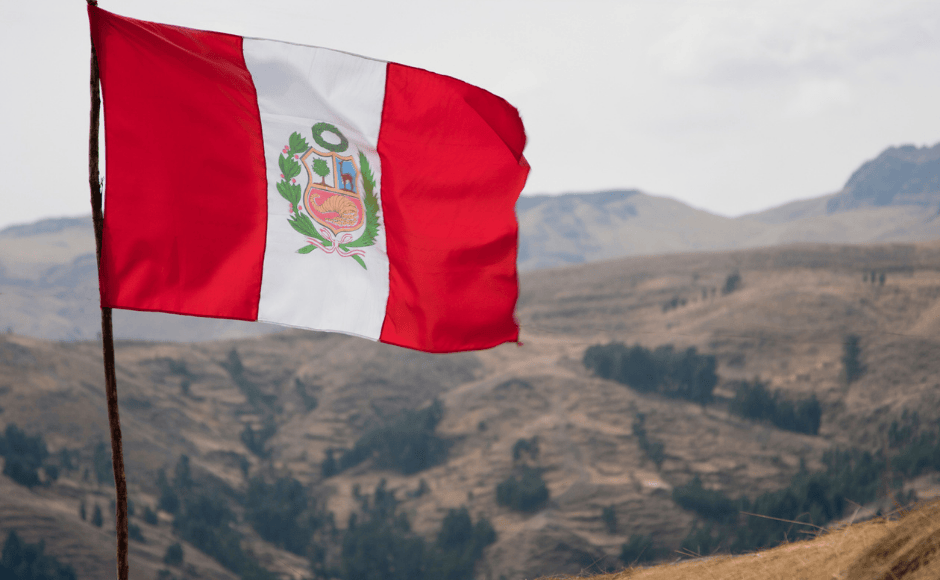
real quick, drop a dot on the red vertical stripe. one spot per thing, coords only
(185, 191)
(452, 170)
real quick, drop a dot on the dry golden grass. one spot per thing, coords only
(881, 549)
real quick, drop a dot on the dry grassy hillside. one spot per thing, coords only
(901, 547)
(785, 324)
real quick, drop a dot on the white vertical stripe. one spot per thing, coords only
(298, 87)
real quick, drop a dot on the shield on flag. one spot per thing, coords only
(332, 195)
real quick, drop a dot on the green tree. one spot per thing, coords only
(528, 493)
(182, 474)
(655, 450)
(150, 516)
(609, 517)
(407, 444)
(173, 555)
(134, 532)
(701, 541)
(255, 441)
(65, 459)
(708, 503)
(309, 399)
(329, 467)
(101, 461)
(169, 500)
(638, 550)
(459, 545)
(752, 400)
(528, 446)
(284, 513)
(379, 545)
(239, 375)
(24, 455)
(732, 283)
(322, 169)
(19, 560)
(852, 367)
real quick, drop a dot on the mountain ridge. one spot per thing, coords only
(48, 283)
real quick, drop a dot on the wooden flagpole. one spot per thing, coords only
(107, 335)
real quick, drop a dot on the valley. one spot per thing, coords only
(783, 322)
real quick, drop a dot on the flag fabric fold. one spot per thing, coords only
(261, 180)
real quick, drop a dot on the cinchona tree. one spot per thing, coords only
(322, 169)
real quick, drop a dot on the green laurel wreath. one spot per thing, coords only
(301, 222)
(318, 130)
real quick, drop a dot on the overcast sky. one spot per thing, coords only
(730, 106)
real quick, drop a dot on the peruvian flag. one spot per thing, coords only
(262, 180)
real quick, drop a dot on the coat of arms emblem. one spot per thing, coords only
(338, 199)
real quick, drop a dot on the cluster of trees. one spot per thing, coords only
(407, 444)
(287, 515)
(875, 277)
(702, 540)
(255, 440)
(202, 517)
(25, 455)
(914, 450)
(205, 520)
(179, 368)
(525, 490)
(752, 400)
(679, 374)
(22, 561)
(655, 451)
(379, 544)
(309, 400)
(173, 555)
(710, 504)
(814, 498)
(639, 549)
(673, 303)
(526, 493)
(133, 530)
(609, 517)
(97, 518)
(236, 371)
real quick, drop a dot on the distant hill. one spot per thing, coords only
(892, 198)
(49, 289)
(904, 175)
(48, 279)
(577, 228)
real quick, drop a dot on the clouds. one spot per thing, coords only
(749, 44)
(774, 100)
(804, 57)
(728, 105)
